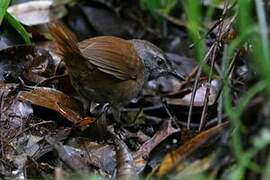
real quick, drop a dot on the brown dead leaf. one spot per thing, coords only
(54, 100)
(140, 157)
(125, 162)
(174, 158)
(70, 155)
(98, 155)
(29, 62)
(187, 170)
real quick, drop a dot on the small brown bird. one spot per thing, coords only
(108, 69)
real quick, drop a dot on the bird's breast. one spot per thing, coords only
(102, 88)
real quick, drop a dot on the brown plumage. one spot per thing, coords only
(106, 68)
(118, 56)
(102, 66)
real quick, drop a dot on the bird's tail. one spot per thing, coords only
(65, 39)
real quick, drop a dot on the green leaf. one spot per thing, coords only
(18, 27)
(3, 8)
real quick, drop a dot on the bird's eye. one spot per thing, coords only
(160, 61)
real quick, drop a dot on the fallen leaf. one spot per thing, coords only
(203, 139)
(36, 12)
(199, 97)
(54, 100)
(27, 62)
(140, 156)
(70, 155)
(125, 162)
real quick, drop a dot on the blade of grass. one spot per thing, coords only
(263, 28)
(18, 27)
(243, 157)
(193, 12)
(262, 43)
(3, 8)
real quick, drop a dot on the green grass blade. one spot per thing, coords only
(18, 27)
(263, 28)
(3, 8)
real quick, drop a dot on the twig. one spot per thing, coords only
(169, 112)
(1, 128)
(195, 87)
(208, 87)
(51, 79)
(32, 126)
(213, 57)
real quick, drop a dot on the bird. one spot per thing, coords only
(107, 69)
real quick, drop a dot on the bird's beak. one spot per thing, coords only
(170, 70)
(173, 73)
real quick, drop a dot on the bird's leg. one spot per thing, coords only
(138, 114)
(93, 108)
(116, 114)
(103, 111)
(100, 125)
(86, 105)
(101, 119)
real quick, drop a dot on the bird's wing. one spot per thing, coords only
(111, 55)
